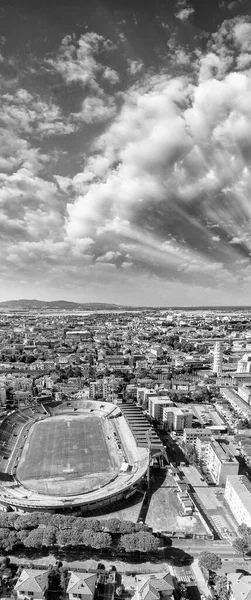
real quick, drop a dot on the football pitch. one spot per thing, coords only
(66, 453)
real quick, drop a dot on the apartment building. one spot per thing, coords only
(143, 393)
(191, 434)
(236, 402)
(244, 365)
(244, 391)
(177, 419)
(220, 462)
(23, 396)
(156, 406)
(238, 496)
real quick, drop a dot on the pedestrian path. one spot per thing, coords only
(202, 585)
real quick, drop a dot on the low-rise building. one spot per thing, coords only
(31, 584)
(81, 585)
(239, 586)
(154, 587)
(191, 434)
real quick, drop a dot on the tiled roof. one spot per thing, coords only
(82, 583)
(32, 580)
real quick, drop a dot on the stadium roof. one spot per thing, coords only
(140, 426)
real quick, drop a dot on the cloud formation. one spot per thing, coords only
(142, 178)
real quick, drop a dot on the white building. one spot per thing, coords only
(238, 497)
(218, 357)
(177, 419)
(244, 391)
(156, 406)
(244, 365)
(220, 462)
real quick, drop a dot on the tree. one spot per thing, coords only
(128, 542)
(113, 525)
(142, 542)
(221, 587)
(244, 531)
(27, 521)
(34, 539)
(210, 561)
(241, 545)
(94, 525)
(80, 524)
(146, 542)
(87, 538)
(101, 540)
(64, 537)
(64, 578)
(127, 527)
(49, 536)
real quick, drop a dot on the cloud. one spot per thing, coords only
(132, 198)
(108, 256)
(237, 240)
(27, 113)
(164, 160)
(135, 66)
(96, 109)
(184, 13)
(77, 60)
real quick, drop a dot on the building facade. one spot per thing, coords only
(238, 496)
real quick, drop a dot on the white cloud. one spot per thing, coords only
(109, 256)
(135, 66)
(77, 60)
(26, 113)
(184, 13)
(96, 109)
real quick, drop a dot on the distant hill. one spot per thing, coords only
(24, 304)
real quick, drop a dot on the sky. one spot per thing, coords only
(125, 151)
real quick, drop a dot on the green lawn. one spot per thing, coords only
(65, 447)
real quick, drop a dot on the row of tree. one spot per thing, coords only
(52, 537)
(14, 520)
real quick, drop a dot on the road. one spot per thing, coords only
(195, 547)
(184, 574)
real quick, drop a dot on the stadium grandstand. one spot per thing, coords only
(78, 455)
(144, 434)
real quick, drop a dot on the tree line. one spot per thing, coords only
(43, 530)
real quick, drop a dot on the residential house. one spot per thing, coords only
(154, 587)
(31, 584)
(81, 585)
(239, 586)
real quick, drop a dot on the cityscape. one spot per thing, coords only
(126, 433)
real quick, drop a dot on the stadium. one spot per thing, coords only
(77, 455)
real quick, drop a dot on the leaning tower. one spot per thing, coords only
(218, 353)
